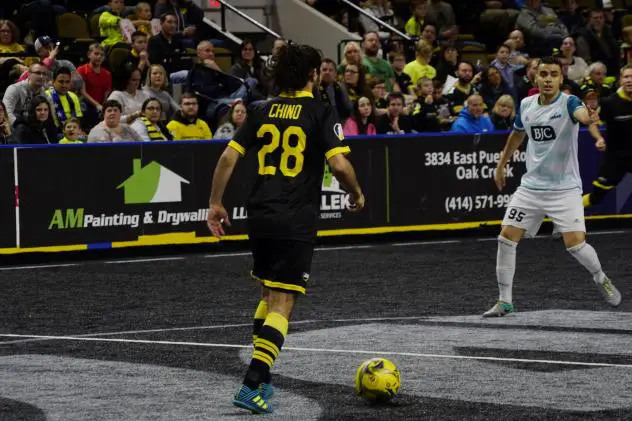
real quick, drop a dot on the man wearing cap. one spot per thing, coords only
(47, 51)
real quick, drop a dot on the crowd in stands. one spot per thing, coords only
(152, 74)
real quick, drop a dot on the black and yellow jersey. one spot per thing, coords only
(616, 112)
(291, 135)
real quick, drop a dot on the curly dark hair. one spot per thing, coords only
(294, 65)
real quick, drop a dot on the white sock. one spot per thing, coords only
(505, 267)
(587, 256)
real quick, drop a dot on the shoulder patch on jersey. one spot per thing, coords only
(339, 132)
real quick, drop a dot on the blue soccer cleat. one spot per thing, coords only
(266, 390)
(252, 400)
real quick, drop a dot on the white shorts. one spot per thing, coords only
(527, 209)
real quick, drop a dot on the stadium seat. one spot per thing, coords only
(74, 26)
(475, 58)
(94, 25)
(554, 4)
(117, 58)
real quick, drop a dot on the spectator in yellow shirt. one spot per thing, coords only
(9, 36)
(109, 24)
(415, 24)
(72, 132)
(419, 67)
(186, 125)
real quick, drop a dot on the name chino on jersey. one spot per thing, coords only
(291, 134)
(552, 150)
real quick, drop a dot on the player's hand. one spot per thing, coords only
(217, 216)
(500, 177)
(357, 203)
(593, 115)
(600, 144)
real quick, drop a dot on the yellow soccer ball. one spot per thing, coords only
(377, 380)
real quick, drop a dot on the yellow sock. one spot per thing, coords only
(260, 316)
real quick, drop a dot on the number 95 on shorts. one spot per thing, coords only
(528, 208)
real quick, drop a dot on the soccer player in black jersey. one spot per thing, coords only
(616, 112)
(292, 136)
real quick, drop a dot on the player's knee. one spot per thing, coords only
(512, 234)
(572, 240)
(281, 302)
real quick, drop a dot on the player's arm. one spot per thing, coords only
(217, 213)
(345, 174)
(600, 142)
(244, 139)
(585, 116)
(514, 141)
(331, 139)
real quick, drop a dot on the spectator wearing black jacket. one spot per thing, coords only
(331, 92)
(596, 42)
(38, 127)
(167, 48)
(492, 86)
(395, 121)
(447, 63)
(504, 113)
(251, 66)
(189, 18)
(216, 90)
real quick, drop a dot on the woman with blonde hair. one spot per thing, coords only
(504, 113)
(156, 86)
(352, 54)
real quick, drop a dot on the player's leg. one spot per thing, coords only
(268, 345)
(260, 313)
(522, 216)
(585, 254)
(567, 212)
(283, 269)
(610, 174)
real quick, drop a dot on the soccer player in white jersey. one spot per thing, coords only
(551, 186)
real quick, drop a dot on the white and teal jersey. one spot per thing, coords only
(552, 129)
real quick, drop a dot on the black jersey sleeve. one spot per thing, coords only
(332, 134)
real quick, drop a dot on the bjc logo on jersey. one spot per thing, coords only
(542, 133)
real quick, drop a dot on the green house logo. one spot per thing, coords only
(330, 183)
(152, 183)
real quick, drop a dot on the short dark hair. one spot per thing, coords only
(551, 60)
(112, 103)
(469, 63)
(503, 46)
(328, 60)
(164, 16)
(187, 95)
(62, 71)
(147, 101)
(395, 95)
(137, 34)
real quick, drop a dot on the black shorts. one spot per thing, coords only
(282, 265)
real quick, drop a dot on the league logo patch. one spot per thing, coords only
(338, 131)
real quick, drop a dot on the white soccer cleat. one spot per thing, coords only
(500, 309)
(609, 292)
